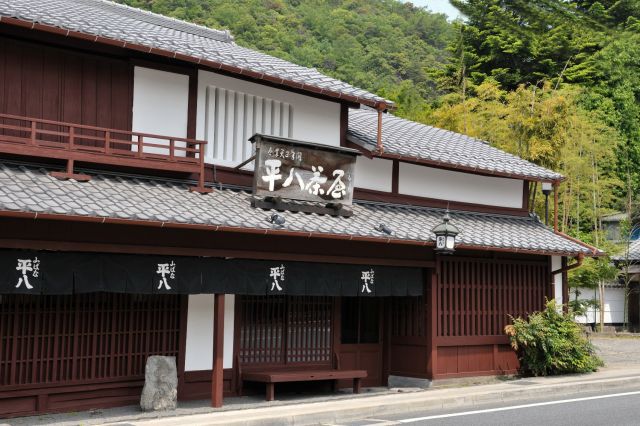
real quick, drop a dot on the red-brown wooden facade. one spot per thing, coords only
(81, 351)
(475, 299)
(85, 351)
(57, 84)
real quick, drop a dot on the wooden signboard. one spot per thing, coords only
(294, 170)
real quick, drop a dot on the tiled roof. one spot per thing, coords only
(418, 141)
(134, 26)
(632, 256)
(30, 189)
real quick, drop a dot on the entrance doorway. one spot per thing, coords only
(360, 337)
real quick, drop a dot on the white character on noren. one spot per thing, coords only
(25, 266)
(367, 278)
(165, 269)
(277, 274)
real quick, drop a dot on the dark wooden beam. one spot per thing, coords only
(395, 177)
(217, 379)
(182, 348)
(565, 286)
(344, 124)
(192, 105)
(431, 299)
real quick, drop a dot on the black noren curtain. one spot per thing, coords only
(39, 272)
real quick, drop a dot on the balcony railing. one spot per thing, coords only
(74, 142)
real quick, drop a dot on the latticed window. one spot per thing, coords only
(285, 329)
(49, 339)
(476, 297)
(232, 117)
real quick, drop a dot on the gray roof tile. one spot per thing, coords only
(633, 255)
(123, 23)
(158, 200)
(414, 140)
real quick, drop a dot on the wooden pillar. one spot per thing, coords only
(431, 299)
(551, 291)
(218, 350)
(565, 286)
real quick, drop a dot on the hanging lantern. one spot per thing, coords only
(445, 235)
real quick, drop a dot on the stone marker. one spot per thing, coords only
(160, 390)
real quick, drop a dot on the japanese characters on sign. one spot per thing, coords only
(303, 171)
(167, 272)
(27, 267)
(368, 279)
(45, 272)
(276, 274)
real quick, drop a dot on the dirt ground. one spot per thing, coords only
(618, 350)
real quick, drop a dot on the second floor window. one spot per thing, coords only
(232, 117)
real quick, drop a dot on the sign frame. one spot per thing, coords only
(303, 176)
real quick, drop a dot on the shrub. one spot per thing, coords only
(550, 342)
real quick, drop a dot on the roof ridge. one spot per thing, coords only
(167, 21)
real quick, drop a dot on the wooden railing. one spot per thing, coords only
(89, 144)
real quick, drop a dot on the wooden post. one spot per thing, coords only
(218, 349)
(551, 292)
(32, 140)
(107, 142)
(201, 188)
(431, 314)
(72, 138)
(565, 286)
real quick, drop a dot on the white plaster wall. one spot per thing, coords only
(314, 120)
(422, 181)
(199, 351)
(160, 105)
(613, 305)
(373, 173)
(556, 263)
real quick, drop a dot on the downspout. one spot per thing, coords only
(579, 260)
(381, 107)
(555, 206)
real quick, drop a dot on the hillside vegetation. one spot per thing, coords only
(372, 44)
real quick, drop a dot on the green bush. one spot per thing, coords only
(550, 342)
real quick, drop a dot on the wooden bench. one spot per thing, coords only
(270, 376)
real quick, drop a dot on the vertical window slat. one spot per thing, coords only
(232, 117)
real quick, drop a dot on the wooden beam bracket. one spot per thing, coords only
(69, 174)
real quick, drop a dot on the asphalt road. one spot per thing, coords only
(621, 407)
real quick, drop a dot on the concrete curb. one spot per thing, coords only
(380, 405)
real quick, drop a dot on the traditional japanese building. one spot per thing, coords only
(132, 222)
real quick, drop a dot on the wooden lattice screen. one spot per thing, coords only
(475, 296)
(285, 329)
(407, 316)
(49, 339)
